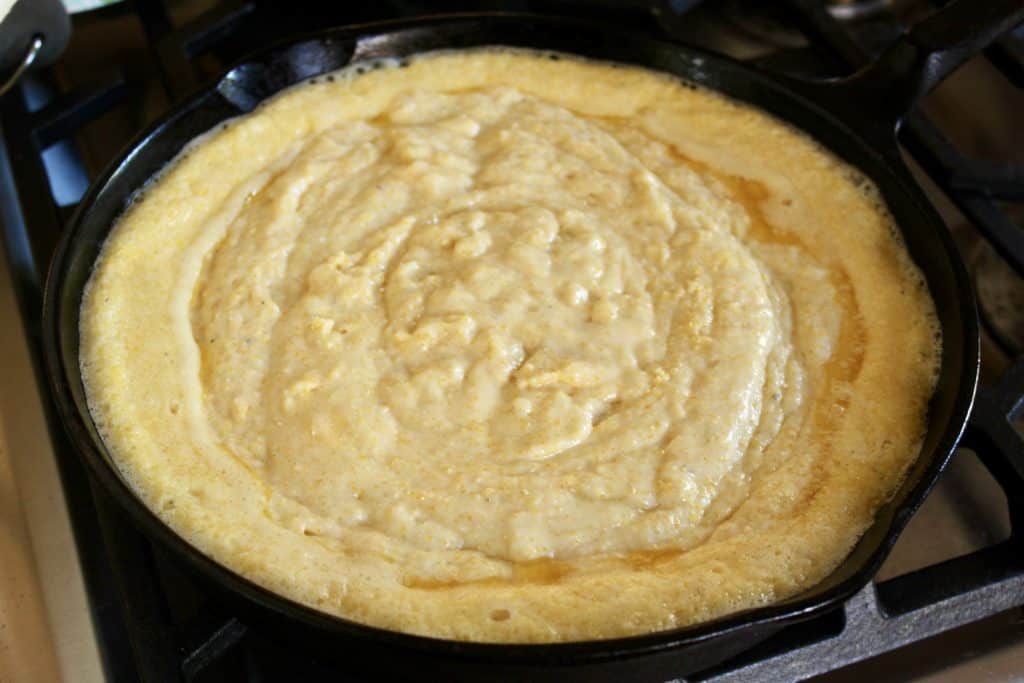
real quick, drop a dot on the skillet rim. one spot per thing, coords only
(805, 605)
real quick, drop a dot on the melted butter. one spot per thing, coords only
(536, 572)
(843, 367)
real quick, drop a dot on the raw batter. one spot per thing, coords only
(500, 347)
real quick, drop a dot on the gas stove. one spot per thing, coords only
(948, 600)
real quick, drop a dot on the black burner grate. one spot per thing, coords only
(155, 624)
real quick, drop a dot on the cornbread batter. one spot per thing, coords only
(508, 348)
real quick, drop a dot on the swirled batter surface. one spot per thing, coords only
(496, 347)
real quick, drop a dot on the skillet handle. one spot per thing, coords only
(931, 50)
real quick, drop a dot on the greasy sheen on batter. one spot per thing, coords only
(495, 346)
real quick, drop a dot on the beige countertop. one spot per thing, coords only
(45, 630)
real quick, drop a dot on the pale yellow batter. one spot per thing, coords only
(498, 347)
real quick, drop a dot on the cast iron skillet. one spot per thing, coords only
(856, 118)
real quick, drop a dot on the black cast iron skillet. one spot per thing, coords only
(856, 118)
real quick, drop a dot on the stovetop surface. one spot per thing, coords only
(128, 63)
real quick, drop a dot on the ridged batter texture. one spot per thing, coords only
(493, 346)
